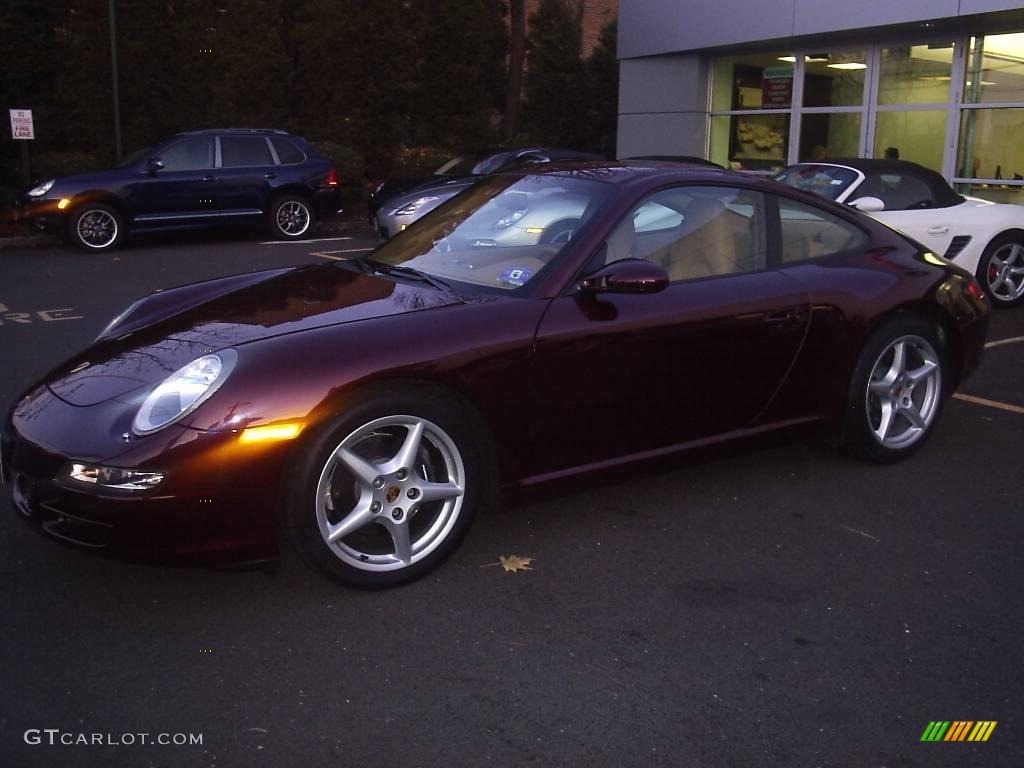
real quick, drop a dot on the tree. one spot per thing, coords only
(556, 83)
(516, 60)
(603, 71)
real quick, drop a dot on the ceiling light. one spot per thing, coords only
(848, 65)
(788, 58)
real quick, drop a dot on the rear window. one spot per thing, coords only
(236, 151)
(287, 151)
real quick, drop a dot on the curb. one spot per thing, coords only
(30, 241)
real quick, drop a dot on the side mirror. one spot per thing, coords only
(626, 276)
(155, 164)
(868, 204)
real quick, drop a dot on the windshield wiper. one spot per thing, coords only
(408, 272)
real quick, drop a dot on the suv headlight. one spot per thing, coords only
(41, 189)
(184, 391)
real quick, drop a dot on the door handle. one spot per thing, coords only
(938, 230)
(793, 317)
(207, 178)
(270, 175)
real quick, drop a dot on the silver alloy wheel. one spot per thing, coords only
(1005, 272)
(293, 218)
(903, 392)
(390, 493)
(96, 228)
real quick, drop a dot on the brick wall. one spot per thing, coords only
(596, 13)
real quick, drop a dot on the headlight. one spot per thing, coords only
(41, 189)
(183, 391)
(512, 218)
(414, 206)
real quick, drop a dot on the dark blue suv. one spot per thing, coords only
(199, 178)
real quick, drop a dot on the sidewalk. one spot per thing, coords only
(19, 236)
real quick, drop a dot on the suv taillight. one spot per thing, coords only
(332, 178)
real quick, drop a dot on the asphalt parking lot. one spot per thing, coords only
(781, 606)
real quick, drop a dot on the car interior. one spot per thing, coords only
(713, 232)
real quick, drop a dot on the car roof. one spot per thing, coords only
(622, 172)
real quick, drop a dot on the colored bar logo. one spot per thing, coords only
(958, 730)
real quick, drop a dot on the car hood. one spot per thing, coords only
(91, 178)
(297, 300)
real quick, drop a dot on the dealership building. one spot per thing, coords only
(760, 84)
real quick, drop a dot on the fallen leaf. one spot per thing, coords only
(512, 563)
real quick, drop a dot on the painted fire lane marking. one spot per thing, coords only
(989, 403)
(7, 317)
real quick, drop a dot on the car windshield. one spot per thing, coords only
(828, 181)
(499, 234)
(458, 166)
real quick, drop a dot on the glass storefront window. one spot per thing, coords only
(915, 74)
(835, 134)
(760, 81)
(995, 69)
(995, 193)
(916, 136)
(750, 142)
(834, 79)
(984, 152)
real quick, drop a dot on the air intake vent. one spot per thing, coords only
(959, 243)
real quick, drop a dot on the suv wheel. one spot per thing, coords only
(291, 218)
(95, 227)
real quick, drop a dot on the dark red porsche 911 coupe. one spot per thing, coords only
(368, 409)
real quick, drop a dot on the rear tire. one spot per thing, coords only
(897, 391)
(1001, 270)
(291, 217)
(385, 491)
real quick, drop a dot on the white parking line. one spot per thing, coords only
(989, 403)
(1001, 342)
(303, 242)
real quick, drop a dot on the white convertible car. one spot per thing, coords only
(984, 238)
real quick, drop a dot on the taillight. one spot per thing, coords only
(332, 178)
(975, 290)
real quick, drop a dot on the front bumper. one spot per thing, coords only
(217, 503)
(43, 215)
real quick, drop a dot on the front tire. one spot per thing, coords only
(560, 233)
(291, 218)
(95, 227)
(897, 391)
(1001, 270)
(385, 492)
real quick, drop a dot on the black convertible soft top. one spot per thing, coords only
(943, 195)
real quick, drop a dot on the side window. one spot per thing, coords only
(809, 232)
(287, 151)
(899, 191)
(188, 155)
(241, 151)
(694, 232)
